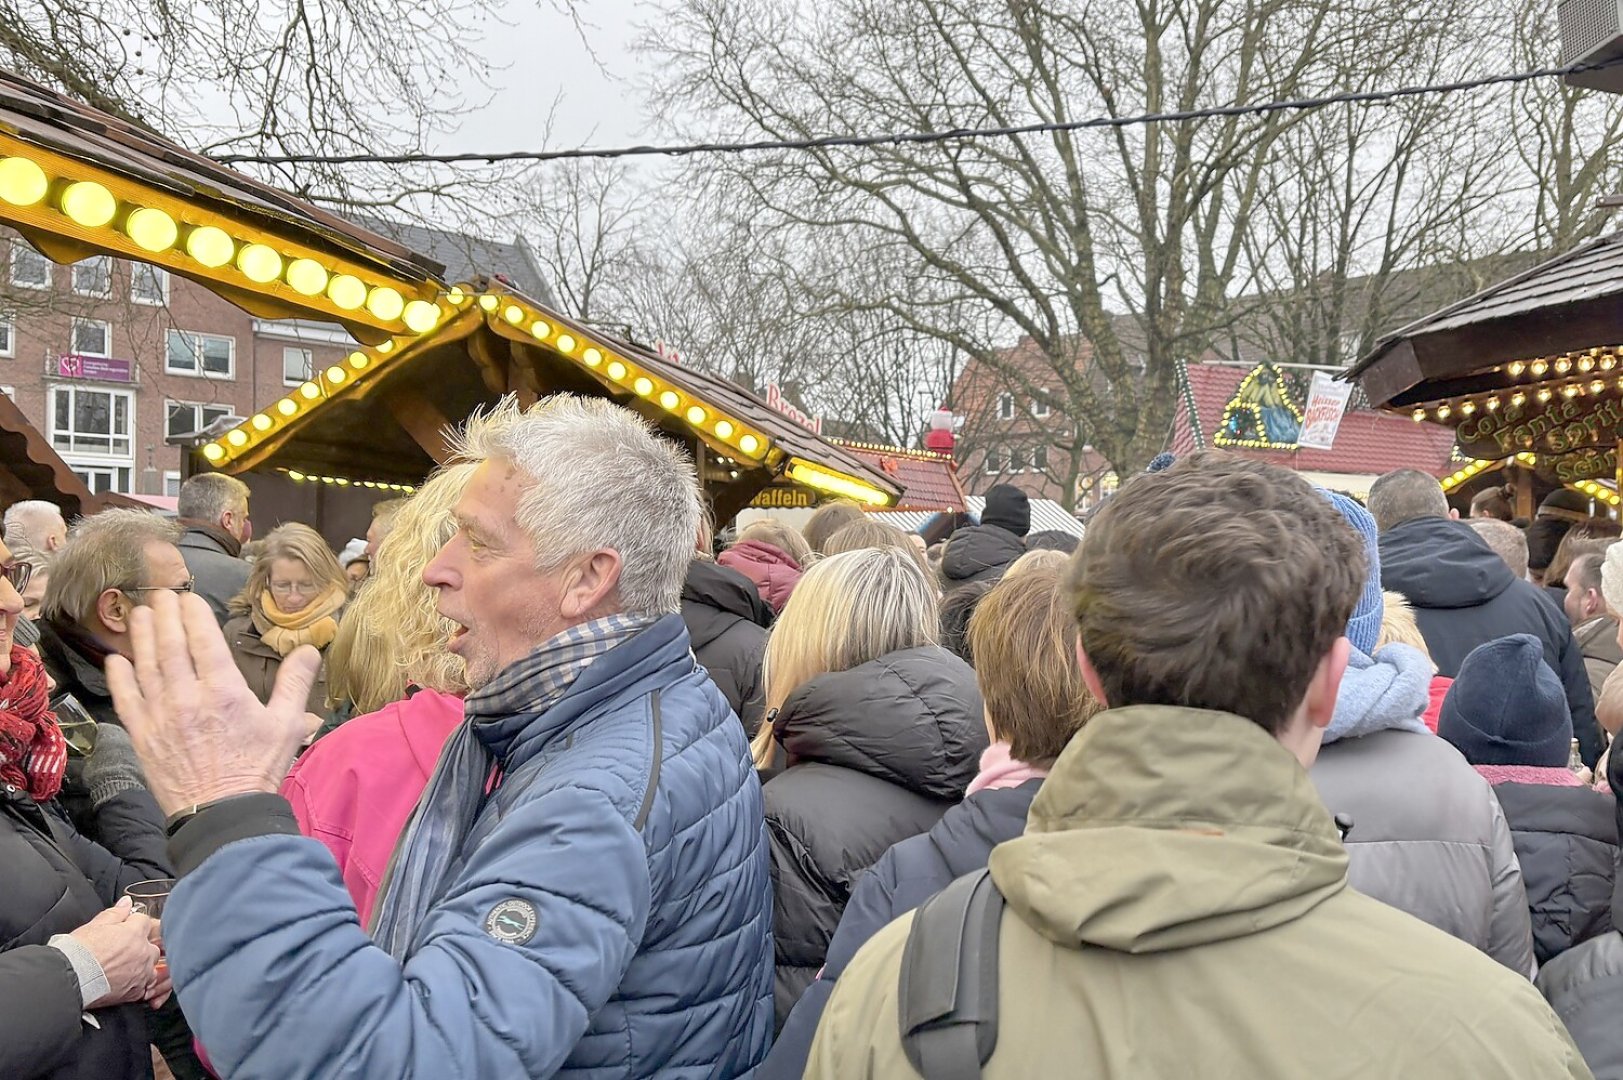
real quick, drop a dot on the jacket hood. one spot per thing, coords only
(1439, 563)
(1163, 827)
(1389, 691)
(723, 591)
(912, 718)
(773, 570)
(980, 553)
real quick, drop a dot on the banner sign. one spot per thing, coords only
(1558, 426)
(1326, 403)
(74, 366)
(775, 400)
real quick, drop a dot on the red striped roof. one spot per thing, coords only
(928, 481)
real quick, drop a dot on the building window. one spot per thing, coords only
(86, 421)
(1039, 407)
(1005, 406)
(171, 483)
(186, 417)
(8, 337)
(93, 276)
(1039, 458)
(208, 355)
(149, 284)
(9, 391)
(1017, 461)
(29, 268)
(297, 366)
(994, 463)
(99, 479)
(91, 337)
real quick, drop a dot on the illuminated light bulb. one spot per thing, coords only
(387, 346)
(346, 291)
(237, 437)
(1443, 412)
(1516, 368)
(259, 263)
(566, 344)
(296, 476)
(1518, 399)
(359, 360)
(695, 415)
(1468, 408)
(22, 182)
(1419, 415)
(513, 314)
(457, 296)
(643, 386)
(340, 481)
(1540, 367)
(210, 246)
(1597, 386)
(152, 230)
(421, 316)
(1569, 392)
(214, 451)
(1586, 364)
(385, 303)
(724, 429)
(310, 391)
(489, 303)
(617, 370)
(287, 406)
(262, 422)
(1545, 395)
(1608, 362)
(1562, 366)
(89, 204)
(669, 401)
(336, 375)
(592, 357)
(307, 277)
(1493, 404)
(749, 444)
(540, 330)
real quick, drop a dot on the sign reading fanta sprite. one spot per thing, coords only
(1559, 426)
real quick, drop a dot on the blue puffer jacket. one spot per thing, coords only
(623, 865)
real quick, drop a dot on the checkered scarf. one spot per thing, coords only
(431, 846)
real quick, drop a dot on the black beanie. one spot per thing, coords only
(1507, 707)
(1007, 507)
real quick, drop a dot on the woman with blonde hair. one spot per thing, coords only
(294, 596)
(773, 556)
(869, 533)
(878, 729)
(355, 789)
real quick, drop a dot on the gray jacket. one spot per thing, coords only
(220, 576)
(1584, 985)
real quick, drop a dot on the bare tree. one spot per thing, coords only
(585, 224)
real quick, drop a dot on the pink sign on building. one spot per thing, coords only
(102, 368)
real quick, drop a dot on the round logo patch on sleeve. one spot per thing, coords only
(512, 921)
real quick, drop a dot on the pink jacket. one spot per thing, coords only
(772, 569)
(355, 789)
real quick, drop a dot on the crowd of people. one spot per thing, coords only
(1257, 779)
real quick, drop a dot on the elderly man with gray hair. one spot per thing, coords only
(213, 507)
(1507, 541)
(35, 524)
(584, 886)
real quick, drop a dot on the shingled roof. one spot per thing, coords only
(929, 481)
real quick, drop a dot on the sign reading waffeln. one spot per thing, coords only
(105, 369)
(1326, 403)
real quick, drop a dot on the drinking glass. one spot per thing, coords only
(148, 897)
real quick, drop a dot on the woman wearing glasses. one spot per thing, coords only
(293, 597)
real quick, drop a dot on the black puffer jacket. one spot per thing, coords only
(1566, 842)
(980, 553)
(727, 620)
(1464, 596)
(906, 876)
(55, 881)
(877, 754)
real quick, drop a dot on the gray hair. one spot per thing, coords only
(599, 477)
(1507, 542)
(1405, 495)
(107, 551)
(1611, 578)
(27, 522)
(208, 496)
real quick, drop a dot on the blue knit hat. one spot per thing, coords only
(1364, 629)
(1164, 460)
(1507, 707)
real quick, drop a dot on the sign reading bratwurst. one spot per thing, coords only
(1558, 426)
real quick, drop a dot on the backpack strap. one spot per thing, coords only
(949, 983)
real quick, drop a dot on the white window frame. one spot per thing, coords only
(73, 338)
(100, 458)
(1039, 408)
(1017, 460)
(991, 463)
(91, 472)
(106, 263)
(171, 476)
(197, 407)
(9, 349)
(198, 372)
(18, 247)
(136, 268)
(9, 391)
(1005, 406)
(309, 365)
(1036, 453)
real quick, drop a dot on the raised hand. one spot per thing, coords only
(200, 732)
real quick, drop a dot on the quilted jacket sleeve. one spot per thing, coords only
(1510, 930)
(280, 980)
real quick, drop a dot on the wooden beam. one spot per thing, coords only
(422, 420)
(727, 500)
(490, 352)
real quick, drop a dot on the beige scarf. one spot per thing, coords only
(316, 624)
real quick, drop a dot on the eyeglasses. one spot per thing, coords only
(18, 573)
(186, 588)
(287, 588)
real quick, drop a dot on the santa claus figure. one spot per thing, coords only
(940, 437)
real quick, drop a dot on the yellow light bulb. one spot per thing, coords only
(89, 204)
(1608, 362)
(287, 406)
(1516, 368)
(617, 370)
(1544, 395)
(1518, 399)
(336, 375)
(214, 451)
(1586, 364)
(210, 246)
(340, 481)
(259, 263)
(592, 357)
(749, 444)
(237, 437)
(514, 314)
(1493, 404)
(1597, 386)
(387, 346)
(359, 360)
(152, 230)
(566, 344)
(457, 296)
(262, 422)
(540, 330)
(1442, 412)
(695, 415)
(296, 476)
(669, 401)
(1540, 367)
(643, 386)
(310, 391)
(724, 429)
(346, 291)
(421, 316)
(307, 277)
(1419, 415)
(22, 182)
(1468, 408)
(489, 303)
(385, 303)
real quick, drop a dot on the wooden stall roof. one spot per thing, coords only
(31, 469)
(929, 481)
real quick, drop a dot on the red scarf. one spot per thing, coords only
(33, 753)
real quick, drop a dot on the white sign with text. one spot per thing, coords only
(1326, 402)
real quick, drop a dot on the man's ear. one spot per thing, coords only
(1090, 677)
(588, 582)
(113, 609)
(1320, 702)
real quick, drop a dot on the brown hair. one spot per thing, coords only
(1591, 538)
(1219, 583)
(829, 519)
(785, 539)
(1497, 502)
(1024, 642)
(868, 533)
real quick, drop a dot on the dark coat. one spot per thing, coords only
(79, 674)
(55, 881)
(877, 754)
(1566, 842)
(980, 553)
(259, 664)
(727, 620)
(1464, 596)
(904, 878)
(217, 574)
(1584, 985)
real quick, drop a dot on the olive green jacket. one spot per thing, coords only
(1178, 907)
